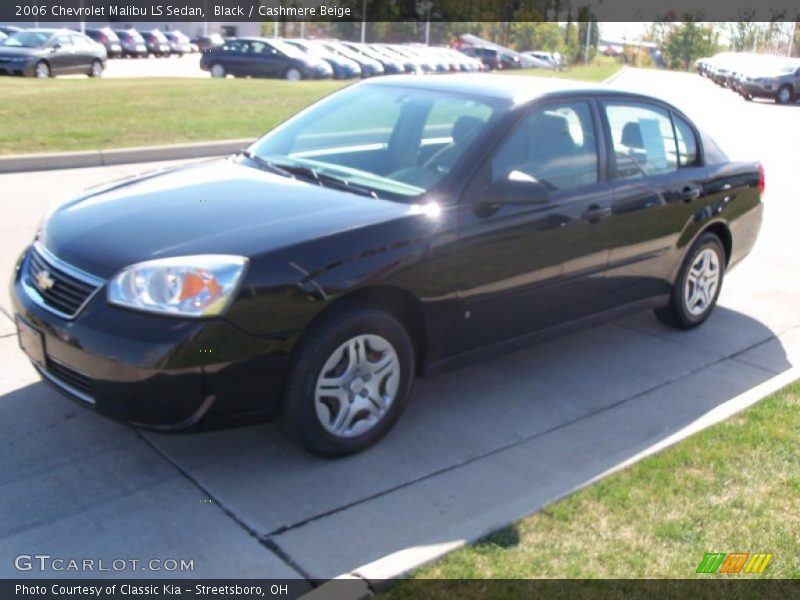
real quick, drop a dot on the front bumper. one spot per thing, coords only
(759, 91)
(17, 67)
(153, 371)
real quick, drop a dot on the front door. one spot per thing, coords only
(526, 266)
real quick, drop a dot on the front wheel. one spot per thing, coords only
(698, 285)
(217, 70)
(293, 74)
(784, 95)
(349, 381)
(42, 70)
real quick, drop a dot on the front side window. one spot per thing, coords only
(643, 141)
(235, 46)
(554, 145)
(398, 142)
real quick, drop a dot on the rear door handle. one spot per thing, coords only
(691, 192)
(594, 213)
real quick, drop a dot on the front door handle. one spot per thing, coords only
(691, 192)
(595, 213)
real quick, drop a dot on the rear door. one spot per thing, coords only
(657, 182)
(85, 52)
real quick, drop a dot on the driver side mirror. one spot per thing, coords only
(55, 47)
(516, 188)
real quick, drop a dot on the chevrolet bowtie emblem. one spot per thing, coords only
(44, 280)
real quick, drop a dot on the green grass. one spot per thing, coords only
(732, 488)
(86, 114)
(82, 114)
(593, 72)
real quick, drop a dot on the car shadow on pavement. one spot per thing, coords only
(475, 449)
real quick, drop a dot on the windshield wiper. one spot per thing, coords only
(267, 164)
(326, 180)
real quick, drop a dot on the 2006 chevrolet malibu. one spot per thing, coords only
(395, 228)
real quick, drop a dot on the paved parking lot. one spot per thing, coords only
(187, 65)
(475, 449)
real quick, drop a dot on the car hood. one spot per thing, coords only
(13, 51)
(218, 207)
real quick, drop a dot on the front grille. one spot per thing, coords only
(60, 288)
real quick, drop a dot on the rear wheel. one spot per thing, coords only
(349, 381)
(217, 70)
(784, 94)
(293, 74)
(697, 288)
(41, 70)
(96, 69)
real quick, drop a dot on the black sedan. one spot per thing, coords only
(50, 52)
(261, 57)
(398, 227)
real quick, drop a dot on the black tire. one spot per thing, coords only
(42, 70)
(299, 415)
(784, 95)
(96, 69)
(676, 314)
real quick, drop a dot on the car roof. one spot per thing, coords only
(519, 89)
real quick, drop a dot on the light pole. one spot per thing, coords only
(363, 21)
(424, 8)
(588, 38)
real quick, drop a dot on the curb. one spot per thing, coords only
(610, 79)
(377, 576)
(18, 163)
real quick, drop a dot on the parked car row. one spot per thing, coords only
(132, 43)
(754, 75)
(296, 59)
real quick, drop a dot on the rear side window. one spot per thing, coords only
(687, 142)
(643, 139)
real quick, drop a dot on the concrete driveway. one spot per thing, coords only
(475, 449)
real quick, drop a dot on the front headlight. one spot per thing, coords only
(188, 286)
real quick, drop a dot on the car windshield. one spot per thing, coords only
(396, 142)
(26, 39)
(288, 49)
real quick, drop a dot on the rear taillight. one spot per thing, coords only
(762, 182)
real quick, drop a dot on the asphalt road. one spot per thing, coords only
(187, 65)
(475, 449)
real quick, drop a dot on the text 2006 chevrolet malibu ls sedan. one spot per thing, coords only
(394, 228)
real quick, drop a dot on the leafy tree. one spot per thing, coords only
(688, 41)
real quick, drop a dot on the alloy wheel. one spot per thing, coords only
(293, 75)
(784, 95)
(217, 70)
(701, 283)
(357, 385)
(42, 70)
